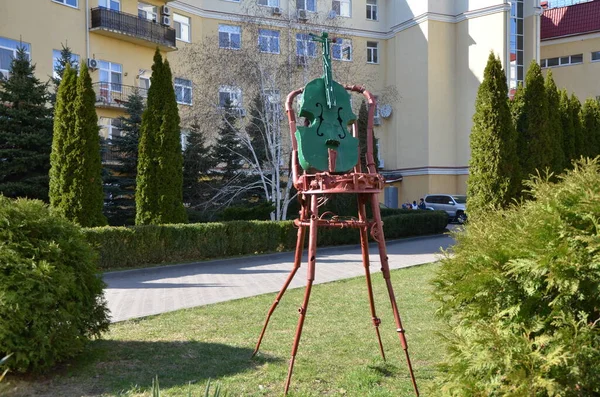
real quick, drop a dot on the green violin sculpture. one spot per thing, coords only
(325, 105)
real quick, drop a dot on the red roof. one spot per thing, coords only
(572, 20)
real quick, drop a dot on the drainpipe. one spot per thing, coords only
(87, 30)
(538, 20)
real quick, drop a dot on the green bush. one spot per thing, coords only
(520, 295)
(122, 247)
(51, 300)
(260, 212)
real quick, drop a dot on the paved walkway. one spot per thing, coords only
(142, 292)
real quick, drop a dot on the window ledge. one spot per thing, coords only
(185, 41)
(66, 5)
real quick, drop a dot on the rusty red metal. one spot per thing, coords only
(312, 187)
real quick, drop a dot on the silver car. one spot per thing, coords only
(454, 204)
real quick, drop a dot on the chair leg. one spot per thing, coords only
(297, 262)
(312, 252)
(364, 244)
(385, 269)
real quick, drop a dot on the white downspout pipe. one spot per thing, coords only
(87, 30)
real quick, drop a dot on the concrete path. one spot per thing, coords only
(143, 292)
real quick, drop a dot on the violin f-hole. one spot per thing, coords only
(341, 124)
(320, 119)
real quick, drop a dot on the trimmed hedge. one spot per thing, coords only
(122, 247)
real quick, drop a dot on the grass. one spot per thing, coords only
(338, 353)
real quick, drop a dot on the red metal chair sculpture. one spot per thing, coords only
(329, 157)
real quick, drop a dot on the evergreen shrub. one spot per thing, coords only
(520, 295)
(51, 300)
(122, 247)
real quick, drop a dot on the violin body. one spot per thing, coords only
(327, 128)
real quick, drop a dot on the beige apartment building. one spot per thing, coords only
(431, 52)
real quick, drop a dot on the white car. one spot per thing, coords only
(454, 204)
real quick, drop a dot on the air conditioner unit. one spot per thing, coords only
(276, 10)
(165, 20)
(302, 15)
(4, 75)
(92, 63)
(301, 60)
(377, 120)
(241, 112)
(165, 10)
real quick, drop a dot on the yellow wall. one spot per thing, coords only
(582, 79)
(414, 187)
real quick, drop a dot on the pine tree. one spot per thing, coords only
(493, 177)
(82, 198)
(120, 178)
(566, 119)
(64, 122)
(25, 132)
(363, 119)
(197, 162)
(159, 192)
(228, 147)
(555, 131)
(256, 129)
(578, 132)
(66, 58)
(516, 105)
(534, 149)
(590, 119)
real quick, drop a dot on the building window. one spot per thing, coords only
(342, 7)
(183, 91)
(268, 41)
(308, 5)
(147, 11)
(273, 105)
(230, 37)
(110, 79)
(8, 51)
(72, 3)
(595, 56)
(269, 3)
(342, 49)
(305, 46)
(372, 52)
(110, 4)
(233, 95)
(516, 73)
(562, 61)
(182, 27)
(110, 128)
(372, 10)
(144, 85)
(56, 57)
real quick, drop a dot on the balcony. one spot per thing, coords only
(130, 27)
(114, 95)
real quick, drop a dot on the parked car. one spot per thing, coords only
(453, 204)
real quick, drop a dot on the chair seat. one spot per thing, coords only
(325, 182)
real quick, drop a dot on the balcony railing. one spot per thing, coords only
(115, 95)
(132, 25)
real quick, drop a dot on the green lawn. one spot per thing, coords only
(338, 353)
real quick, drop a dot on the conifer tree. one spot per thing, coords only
(255, 128)
(81, 166)
(25, 132)
(493, 177)
(363, 119)
(590, 119)
(64, 121)
(197, 162)
(516, 108)
(119, 178)
(66, 58)
(566, 119)
(228, 146)
(534, 149)
(555, 130)
(159, 191)
(578, 132)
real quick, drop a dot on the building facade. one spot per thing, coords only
(431, 52)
